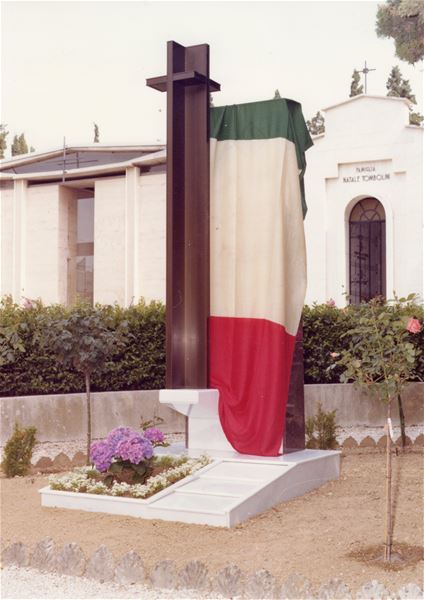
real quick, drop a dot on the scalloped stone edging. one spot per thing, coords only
(228, 582)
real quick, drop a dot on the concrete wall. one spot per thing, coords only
(354, 408)
(63, 417)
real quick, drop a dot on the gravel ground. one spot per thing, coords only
(29, 583)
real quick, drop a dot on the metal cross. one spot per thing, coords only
(365, 71)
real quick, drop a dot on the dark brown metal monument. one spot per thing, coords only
(188, 88)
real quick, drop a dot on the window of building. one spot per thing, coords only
(367, 251)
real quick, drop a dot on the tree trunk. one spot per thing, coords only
(87, 390)
(402, 421)
(389, 522)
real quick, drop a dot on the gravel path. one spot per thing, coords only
(28, 583)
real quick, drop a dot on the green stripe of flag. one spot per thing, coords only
(279, 118)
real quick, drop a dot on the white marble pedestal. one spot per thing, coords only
(201, 409)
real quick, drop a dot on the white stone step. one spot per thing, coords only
(222, 494)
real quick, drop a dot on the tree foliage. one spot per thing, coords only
(316, 125)
(355, 87)
(96, 139)
(19, 145)
(403, 20)
(3, 144)
(399, 87)
(85, 340)
(17, 452)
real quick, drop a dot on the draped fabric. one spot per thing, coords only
(258, 266)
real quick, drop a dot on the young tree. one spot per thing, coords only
(96, 139)
(3, 143)
(355, 88)
(84, 340)
(380, 358)
(403, 20)
(317, 124)
(277, 94)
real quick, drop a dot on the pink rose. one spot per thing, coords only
(413, 325)
(334, 354)
(331, 303)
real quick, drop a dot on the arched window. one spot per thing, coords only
(367, 251)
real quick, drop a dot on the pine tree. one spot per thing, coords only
(355, 88)
(316, 125)
(400, 88)
(23, 146)
(277, 94)
(14, 149)
(96, 134)
(3, 143)
(403, 20)
(19, 145)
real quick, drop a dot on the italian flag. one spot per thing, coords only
(258, 266)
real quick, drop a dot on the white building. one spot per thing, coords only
(364, 188)
(91, 221)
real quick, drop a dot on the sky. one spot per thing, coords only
(65, 65)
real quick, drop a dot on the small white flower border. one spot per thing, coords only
(78, 481)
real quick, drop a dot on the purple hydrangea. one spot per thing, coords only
(101, 455)
(118, 434)
(154, 435)
(134, 448)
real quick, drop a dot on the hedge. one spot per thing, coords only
(141, 363)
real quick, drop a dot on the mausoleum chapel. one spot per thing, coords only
(89, 221)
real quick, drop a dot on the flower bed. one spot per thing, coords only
(90, 481)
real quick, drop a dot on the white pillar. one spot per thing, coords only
(131, 233)
(19, 239)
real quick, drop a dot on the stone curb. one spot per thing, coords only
(229, 582)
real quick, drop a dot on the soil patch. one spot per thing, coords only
(403, 555)
(315, 534)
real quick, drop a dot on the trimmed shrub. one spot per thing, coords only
(31, 368)
(18, 451)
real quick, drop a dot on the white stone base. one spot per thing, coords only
(201, 408)
(228, 491)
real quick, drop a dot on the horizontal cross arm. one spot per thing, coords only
(184, 77)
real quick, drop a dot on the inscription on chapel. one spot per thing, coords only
(366, 173)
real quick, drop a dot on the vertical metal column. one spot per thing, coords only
(188, 87)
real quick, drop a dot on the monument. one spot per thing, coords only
(236, 279)
(191, 360)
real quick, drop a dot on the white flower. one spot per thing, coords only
(81, 480)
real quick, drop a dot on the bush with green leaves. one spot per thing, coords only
(18, 450)
(324, 335)
(321, 430)
(29, 367)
